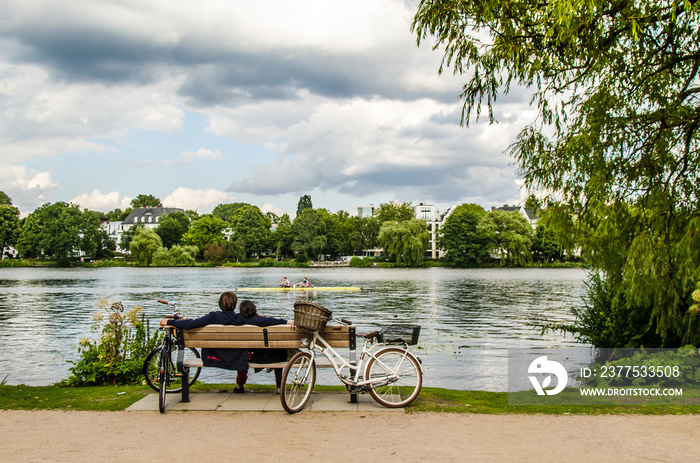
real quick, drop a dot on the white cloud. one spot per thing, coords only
(362, 146)
(103, 202)
(41, 117)
(337, 93)
(269, 207)
(27, 187)
(200, 200)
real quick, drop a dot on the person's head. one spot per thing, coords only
(227, 301)
(248, 309)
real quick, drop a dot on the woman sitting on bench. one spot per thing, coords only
(250, 313)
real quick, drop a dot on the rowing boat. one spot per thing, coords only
(309, 288)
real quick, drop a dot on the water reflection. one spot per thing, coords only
(469, 318)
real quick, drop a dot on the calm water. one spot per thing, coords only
(469, 318)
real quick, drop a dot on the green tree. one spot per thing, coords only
(508, 234)
(205, 230)
(333, 232)
(172, 227)
(227, 211)
(193, 215)
(616, 141)
(309, 234)
(236, 249)
(459, 237)
(52, 230)
(4, 199)
(406, 241)
(114, 214)
(177, 256)
(145, 201)
(216, 252)
(282, 237)
(254, 228)
(128, 235)
(304, 204)
(95, 241)
(394, 212)
(545, 247)
(125, 213)
(9, 226)
(144, 246)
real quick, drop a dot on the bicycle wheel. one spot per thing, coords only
(298, 380)
(151, 369)
(403, 375)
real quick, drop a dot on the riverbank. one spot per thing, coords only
(39, 436)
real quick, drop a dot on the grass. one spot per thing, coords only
(101, 398)
(115, 398)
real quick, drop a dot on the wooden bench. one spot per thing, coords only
(254, 337)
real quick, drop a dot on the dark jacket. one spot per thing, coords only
(230, 359)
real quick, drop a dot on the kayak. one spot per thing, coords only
(309, 288)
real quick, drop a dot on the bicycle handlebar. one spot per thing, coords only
(163, 301)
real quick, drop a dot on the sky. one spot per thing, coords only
(218, 101)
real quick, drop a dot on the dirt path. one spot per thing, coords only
(339, 436)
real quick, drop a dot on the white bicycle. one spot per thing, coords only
(385, 369)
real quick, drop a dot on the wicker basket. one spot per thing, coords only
(310, 316)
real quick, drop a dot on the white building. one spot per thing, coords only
(366, 211)
(427, 212)
(148, 216)
(431, 215)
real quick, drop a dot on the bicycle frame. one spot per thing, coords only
(338, 362)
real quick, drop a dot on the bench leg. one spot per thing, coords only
(185, 375)
(186, 385)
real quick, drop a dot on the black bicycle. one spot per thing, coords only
(160, 367)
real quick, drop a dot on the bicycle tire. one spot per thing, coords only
(298, 380)
(402, 390)
(151, 368)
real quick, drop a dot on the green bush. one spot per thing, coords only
(118, 354)
(267, 262)
(177, 256)
(360, 262)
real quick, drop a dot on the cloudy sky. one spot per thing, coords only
(217, 101)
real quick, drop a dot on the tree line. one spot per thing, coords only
(238, 231)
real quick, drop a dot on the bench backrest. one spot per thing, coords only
(255, 337)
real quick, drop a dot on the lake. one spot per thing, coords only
(469, 317)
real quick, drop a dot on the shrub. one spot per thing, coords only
(118, 354)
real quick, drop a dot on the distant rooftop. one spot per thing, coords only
(149, 214)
